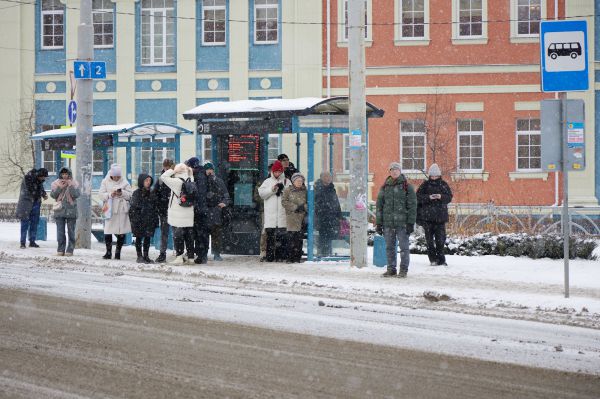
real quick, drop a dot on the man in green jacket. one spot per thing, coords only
(396, 216)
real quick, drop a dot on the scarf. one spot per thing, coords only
(66, 189)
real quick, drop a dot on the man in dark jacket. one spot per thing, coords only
(201, 230)
(163, 194)
(30, 200)
(396, 216)
(217, 198)
(288, 167)
(328, 213)
(433, 197)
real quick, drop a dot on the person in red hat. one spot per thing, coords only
(271, 192)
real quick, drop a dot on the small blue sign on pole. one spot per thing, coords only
(98, 69)
(72, 111)
(564, 56)
(81, 70)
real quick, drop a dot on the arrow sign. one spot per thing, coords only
(81, 70)
(98, 69)
(72, 111)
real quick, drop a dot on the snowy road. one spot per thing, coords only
(559, 347)
(53, 347)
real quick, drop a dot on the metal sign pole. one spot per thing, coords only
(85, 51)
(565, 210)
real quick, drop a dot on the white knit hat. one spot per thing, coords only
(115, 170)
(395, 165)
(297, 176)
(434, 170)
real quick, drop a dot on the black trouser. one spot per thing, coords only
(200, 237)
(435, 234)
(138, 246)
(216, 238)
(276, 245)
(120, 242)
(183, 238)
(294, 245)
(164, 233)
(324, 242)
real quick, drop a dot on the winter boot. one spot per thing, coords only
(179, 260)
(147, 250)
(217, 256)
(402, 273)
(108, 242)
(389, 273)
(162, 258)
(120, 242)
(138, 251)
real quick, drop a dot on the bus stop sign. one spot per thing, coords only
(564, 56)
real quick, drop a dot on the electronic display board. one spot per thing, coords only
(244, 151)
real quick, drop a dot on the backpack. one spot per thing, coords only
(189, 193)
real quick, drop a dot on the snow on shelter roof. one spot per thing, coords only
(276, 108)
(124, 130)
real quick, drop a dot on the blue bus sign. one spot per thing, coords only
(564, 56)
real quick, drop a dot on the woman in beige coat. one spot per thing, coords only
(294, 202)
(116, 191)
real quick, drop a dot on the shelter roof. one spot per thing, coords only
(124, 130)
(276, 108)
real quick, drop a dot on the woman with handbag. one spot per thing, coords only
(116, 193)
(65, 192)
(294, 202)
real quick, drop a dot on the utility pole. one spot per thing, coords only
(358, 133)
(83, 151)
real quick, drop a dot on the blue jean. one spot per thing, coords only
(393, 235)
(61, 237)
(31, 223)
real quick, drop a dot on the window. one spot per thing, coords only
(346, 152)
(214, 16)
(274, 147)
(266, 21)
(206, 148)
(529, 14)
(412, 18)
(158, 32)
(470, 18)
(412, 142)
(49, 161)
(98, 161)
(52, 24)
(367, 20)
(470, 145)
(160, 153)
(529, 144)
(103, 18)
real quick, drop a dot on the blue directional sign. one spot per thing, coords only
(81, 69)
(98, 69)
(72, 111)
(564, 56)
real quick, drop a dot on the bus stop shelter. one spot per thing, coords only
(107, 139)
(240, 131)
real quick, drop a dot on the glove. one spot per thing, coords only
(280, 188)
(379, 229)
(410, 228)
(300, 208)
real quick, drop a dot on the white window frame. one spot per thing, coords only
(412, 133)
(50, 165)
(206, 146)
(279, 139)
(110, 161)
(400, 40)
(104, 13)
(470, 39)
(515, 37)
(528, 133)
(345, 153)
(342, 22)
(213, 9)
(152, 13)
(53, 13)
(470, 133)
(266, 7)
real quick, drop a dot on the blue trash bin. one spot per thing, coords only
(379, 257)
(156, 239)
(42, 229)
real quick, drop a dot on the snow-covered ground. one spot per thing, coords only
(499, 308)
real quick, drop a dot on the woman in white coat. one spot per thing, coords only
(116, 191)
(181, 218)
(275, 218)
